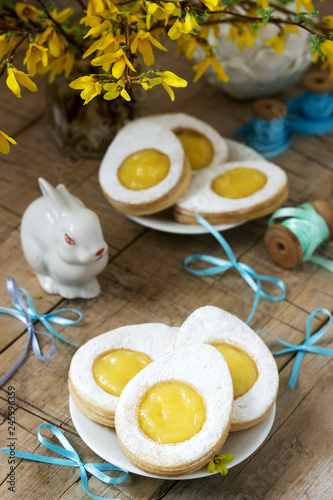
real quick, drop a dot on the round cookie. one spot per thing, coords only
(174, 416)
(214, 326)
(203, 145)
(233, 192)
(132, 348)
(144, 169)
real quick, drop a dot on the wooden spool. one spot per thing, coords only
(269, 109)
(318, 82)
(284, 247)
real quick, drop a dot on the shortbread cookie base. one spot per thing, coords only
(212, 325)
(178, 122)
(265, 208)
(152, 339)
(200, 197)
(134, 137)
(154, 206)
(89, 409)
(199, 366)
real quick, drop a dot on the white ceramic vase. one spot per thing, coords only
(258, 71)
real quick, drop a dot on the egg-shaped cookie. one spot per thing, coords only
(174, 416)
(252, 366)
(144, 169)
(202, 144)
(102, 367)
(233, 192)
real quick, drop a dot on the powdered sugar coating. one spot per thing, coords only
(152, 339)
(211, 325)
(201, 368)
(182, 121)
(201, 198)
(134, 137)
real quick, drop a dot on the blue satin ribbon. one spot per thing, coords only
(72, 460)
(248, 274)
(307, 346)
(26, 314)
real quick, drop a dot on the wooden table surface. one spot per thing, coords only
(145, 281)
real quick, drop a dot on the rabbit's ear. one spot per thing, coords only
(70, 200)
(52, 197)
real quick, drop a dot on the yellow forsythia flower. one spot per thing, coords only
(26, 12)
(148, 83)
(263, 4)
(16, 78)
(327, 48)
(113, 90)
(35, 54)
(63, 64)
(118, 59)
(55, 41)
(4, 143)
(160, 12)
(241, 36)
(328, 22)
(6, 43)
(187, 45)
(276, 42)
(61, 17)
(142, 42)
(108, 41)
(89, 85)
(169, 79)
(183, 27)
(201, 67)
(211, 4)
(307, 4)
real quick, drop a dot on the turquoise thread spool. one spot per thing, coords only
(283, 245)
(312, 112)
(268, 131)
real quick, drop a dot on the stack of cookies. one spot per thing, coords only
(174, 394)
(178, 161)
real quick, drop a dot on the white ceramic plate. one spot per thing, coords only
(103, 441)
(163, 221)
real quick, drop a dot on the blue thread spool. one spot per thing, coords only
(312, 112)
(267, 132)
(283, 245)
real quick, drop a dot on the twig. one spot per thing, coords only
(127, 30)
(253, 19)
(81, 4)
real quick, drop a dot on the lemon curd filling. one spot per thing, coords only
(171, 412)
(144, 169)
(112, 371)
(239, 182)
(242, 368)
(197, 147)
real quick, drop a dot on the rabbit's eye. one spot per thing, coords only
(69, 240)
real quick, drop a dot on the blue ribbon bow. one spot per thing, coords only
(72, 460)
(248, 274)
(307, 346)
(27, 315)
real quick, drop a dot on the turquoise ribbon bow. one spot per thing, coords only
(248, 274)
(26, 315)
(72, 460)
(307, 346)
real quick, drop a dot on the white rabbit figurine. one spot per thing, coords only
(63, 242)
